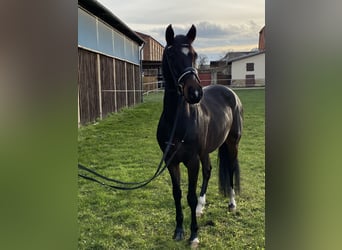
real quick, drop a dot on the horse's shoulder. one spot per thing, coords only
(219, 92)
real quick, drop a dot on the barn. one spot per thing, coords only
(152, 57)
(109, 56)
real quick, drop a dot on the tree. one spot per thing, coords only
(202, 60)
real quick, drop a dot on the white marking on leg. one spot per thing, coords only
(194, 243)
(232, 202)
(200, 205)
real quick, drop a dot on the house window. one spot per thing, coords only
(250, 66)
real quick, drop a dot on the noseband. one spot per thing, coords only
(180, 81)
(187, 71)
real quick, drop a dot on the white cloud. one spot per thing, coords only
(221, 25)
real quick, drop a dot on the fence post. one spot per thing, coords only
(99, 83)
(126, 84)
(133, 69)
(78, 105)
(115, 95)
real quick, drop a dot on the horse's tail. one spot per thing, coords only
(229, 168)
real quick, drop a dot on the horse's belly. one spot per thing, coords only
(213, 143)
(217, 134)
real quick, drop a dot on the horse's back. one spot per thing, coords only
(219, 96)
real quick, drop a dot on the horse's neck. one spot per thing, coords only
(172, 98)
(171, 102)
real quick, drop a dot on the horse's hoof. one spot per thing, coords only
(194, 243)
(178, 235)
(231, 207)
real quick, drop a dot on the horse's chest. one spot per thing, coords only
(182, 147)
(184, 151)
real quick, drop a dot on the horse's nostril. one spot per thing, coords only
(195, 96)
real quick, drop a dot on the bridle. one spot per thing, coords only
(179, 80)
(187, 71)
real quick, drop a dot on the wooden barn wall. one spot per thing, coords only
(205, 78)
(88, 87)
(130, 83)
(222, 79)
(105, 86)
(120, 81)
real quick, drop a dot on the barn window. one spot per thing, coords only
(87, 30)
(105, 40)
(250, 66)
(119, 45)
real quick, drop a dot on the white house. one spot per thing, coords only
(248, 70)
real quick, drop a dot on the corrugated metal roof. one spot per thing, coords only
(106, 15)
(145, 37)
(245, 56)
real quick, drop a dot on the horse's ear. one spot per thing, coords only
(169, 35)
(191, 34)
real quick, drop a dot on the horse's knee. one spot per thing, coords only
(206, 170)
(177, 193)
(192, 200)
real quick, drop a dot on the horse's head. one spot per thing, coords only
(179, 59)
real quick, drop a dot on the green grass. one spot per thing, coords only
(124, 146)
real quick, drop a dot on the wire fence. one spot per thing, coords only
(153, 87)
(158, 86)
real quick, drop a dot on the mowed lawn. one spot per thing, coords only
(124, 146)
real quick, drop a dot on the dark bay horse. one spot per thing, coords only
(206, 119)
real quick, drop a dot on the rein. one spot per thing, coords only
(121, 185)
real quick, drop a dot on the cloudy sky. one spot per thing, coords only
(222, 25)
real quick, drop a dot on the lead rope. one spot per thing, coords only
(158, 172)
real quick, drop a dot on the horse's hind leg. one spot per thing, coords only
(232, 145)
(206, 172)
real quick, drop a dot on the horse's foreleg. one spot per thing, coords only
(206, 172)
(193, 168)
(177, 196)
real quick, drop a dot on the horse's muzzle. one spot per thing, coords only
(194, 95)
(193, 92)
